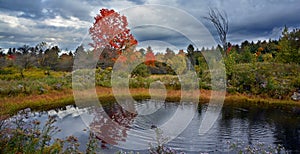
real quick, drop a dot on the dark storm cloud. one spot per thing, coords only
(67, 21)
(67, 8)
(30, 22)
(172, 37)
(248, 19)
(30, 9)
(37, 9)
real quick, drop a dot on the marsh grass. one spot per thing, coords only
(264, 79)
(33, 81)
(56, 99)
(41, 91)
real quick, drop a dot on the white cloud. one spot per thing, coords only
(118, 5)
(11, 21)
(14, 22)
(20, 31)
(173, 3)
(73, 22)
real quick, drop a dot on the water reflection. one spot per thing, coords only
(105, 128)
(116, 126)
(287, 130)
(236, 124)
(253, 124)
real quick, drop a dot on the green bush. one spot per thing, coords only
(13, 73)
(30, 136)
(141, 70)
(103, 77)
(270, 79)
(27, 86)
(140, 82)
(8, 70)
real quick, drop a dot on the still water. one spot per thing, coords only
(248, 125)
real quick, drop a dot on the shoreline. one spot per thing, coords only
(57, 99)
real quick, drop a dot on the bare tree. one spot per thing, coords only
(27, 57)
(220, 22)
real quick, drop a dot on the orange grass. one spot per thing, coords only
(55, 99)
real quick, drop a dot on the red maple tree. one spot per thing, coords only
(228, 50)
(11, 57)
(110, 30)
(150, 58)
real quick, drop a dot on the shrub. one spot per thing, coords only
(141, 70)
(268, 79)
(103, 77)
(23, 135)
(30, 86)
(8, 70)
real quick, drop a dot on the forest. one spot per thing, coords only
(266, 68)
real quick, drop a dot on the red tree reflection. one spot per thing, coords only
(111, 124)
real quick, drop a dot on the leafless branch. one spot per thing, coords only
(220, 22)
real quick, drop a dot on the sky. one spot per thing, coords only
(66, 22)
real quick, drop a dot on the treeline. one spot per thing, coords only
(40, 56)
(264, 68)
(284, 50)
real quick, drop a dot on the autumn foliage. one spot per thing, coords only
(150, 58)
(110, 30)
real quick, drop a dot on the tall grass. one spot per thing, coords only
(32, 81)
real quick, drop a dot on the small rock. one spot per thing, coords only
(296, 96)
(296, 110)
(20, 86)
(153, 126)
(58, 86)
(42, 90)
(264, 84)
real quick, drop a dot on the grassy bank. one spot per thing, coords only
(55, 99)
(264, 84)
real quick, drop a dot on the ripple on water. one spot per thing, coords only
(234, 124)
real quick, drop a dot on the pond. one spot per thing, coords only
(249, 125)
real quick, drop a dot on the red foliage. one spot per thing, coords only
(110, 30)
(132, 57)
(150, 59)
(228, 50)
(122, 59)
(11, 57)
(181, 52)
(106, 130)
